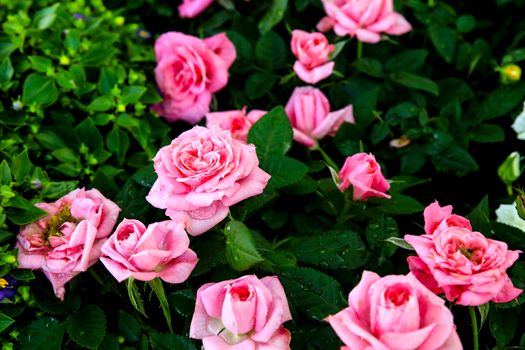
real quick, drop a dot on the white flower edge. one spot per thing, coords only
(519, 124)
(507, 214)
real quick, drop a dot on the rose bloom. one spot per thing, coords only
(394, 312)
(237, 122)
(439, 218)
(312, 51)
(365, 19)
(245, 313)
(160, 250)
(193, 8)
(363, 172)
(68, 240)
(468, 267)
(201, 174)
(309, 112)
(189, 70)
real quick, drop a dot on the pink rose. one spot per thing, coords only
(440, 218)
(68, 240)
(192, 8)
(312, 51)
(363, 172)
(237, 122)
(189, 70)
(160, 250)
(366, 19)
(245, 313)
(201, 174)
(309, 112)
(465, 265)
(394, 312)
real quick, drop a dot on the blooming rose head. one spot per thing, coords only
(312, 51)
(193, 8)
(467, 266)
(160, 250)
(237, 122)
(439, 218)
(365, 19)
(201, 174)
(309, 112)
(363, 172)
(189, 70)
(245, 313)
(394, 312)
(68, 240)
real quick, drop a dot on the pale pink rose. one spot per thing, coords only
(467, 266)
(365, 19)
(189, 70)
(394, 312)
(68, 240)
(312, 51)
(201, 174)
(439, 218)
(245, 313)
(193, 8)
(237, 122)
(363, 173)
(160, 250)
(309, 112)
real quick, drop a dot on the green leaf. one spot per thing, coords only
(241, 252)
(40, 63)
(44, 18)
(401, 204)
(22, 212)
(39, 89)
(455, 160)
(502, 101)
(107, 80)
(284, 171)
(273, 16)
(400, 242)
(101, 104)
(486, 133)
(466, 23)
(129, 326)
(479, 216)
(87, 327)
(259, 84)
(514, 237)
(270, 51)
(6, 70)
(118, 143)
(378, 230)
(183, 301)
(65, 79)
(338, 47)
(72, 40)
(99, 54)
(444, 40)
(22, 275)
(54, 190)
(514, 56)
(134, 296)
(272, 134)
(415, 82)
(313, 293)
(5, 322)
(158, 288)
(88, 134)
(369, 66)
(408, 61)
(483, 313)
(5, 174)
(379, 132)
(503, 325)
(45, 333)
(21, 166)
(338, 249)
(161, 341)
(214, 242)
(131, 94)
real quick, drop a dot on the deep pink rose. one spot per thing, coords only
(193, 8)
(312, 51)
(467, 266)
(366, 19)
(439, 218)
(245, 313)
(189, 70)
(201, 174)
(393, 313)
(68, 240)
(160, 250)
(309, 112)
(237, 122)
(363, 172)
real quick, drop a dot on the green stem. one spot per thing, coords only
(344, 213)
(474, 320)
(359, 49)
(326, 157)
(509, 190)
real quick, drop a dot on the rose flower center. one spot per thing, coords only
(397, 295)
(241, 293)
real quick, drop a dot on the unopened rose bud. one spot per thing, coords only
(520, 205)
(510, 73)
(510, 170)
